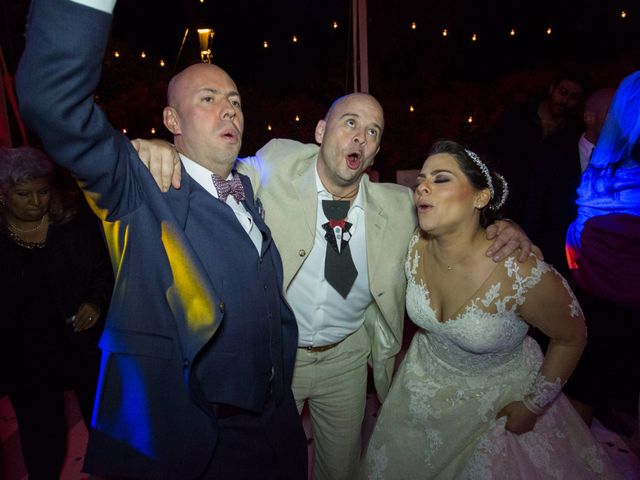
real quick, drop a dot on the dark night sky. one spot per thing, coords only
(582, 30)
(590, 30)
(446, 78)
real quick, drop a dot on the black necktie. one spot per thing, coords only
(339, 269)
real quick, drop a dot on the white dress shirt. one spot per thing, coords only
(585, 147)
(324, 316)
(203, 177)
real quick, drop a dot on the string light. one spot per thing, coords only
(411, 109)
(294, 39)
(116, 54)
(143, 55)
(161, 63)
(124, 130)
(512, 32)
(297, 118)
(623, 14)
(413, 25)
(474, 37)
(153, 131)
(470, 119)
(269, 126)
(445, 32)
(334, 25)
(549, 31)
(205, 39)
(265, 44)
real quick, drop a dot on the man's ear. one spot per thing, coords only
(320, 127)
(171, 120)
(589, 118)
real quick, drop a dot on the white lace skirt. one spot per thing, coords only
(439, 423)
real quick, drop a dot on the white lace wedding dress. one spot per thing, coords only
(438, 421)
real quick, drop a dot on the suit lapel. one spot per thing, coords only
(250, 205)
(303, 183)
(178, 200)
(375, 221)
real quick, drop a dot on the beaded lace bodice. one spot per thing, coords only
(487, 330)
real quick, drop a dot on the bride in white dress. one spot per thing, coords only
(474, 397)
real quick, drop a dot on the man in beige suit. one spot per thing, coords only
(338, 333)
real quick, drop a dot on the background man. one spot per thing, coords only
(199, 345)
(552, 182)
(532, 132)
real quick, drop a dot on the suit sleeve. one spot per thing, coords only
(55, 82)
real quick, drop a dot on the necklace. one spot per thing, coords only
(450, 266)
(27, 230)
(23, 243)
(349, 195)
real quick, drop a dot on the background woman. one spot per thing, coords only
(474, 397)
(55, 284)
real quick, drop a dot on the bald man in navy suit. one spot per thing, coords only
(199, 344)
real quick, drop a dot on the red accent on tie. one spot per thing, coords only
(337, 223)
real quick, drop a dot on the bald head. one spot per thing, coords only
(363, 99)
(349, 138)
(204, 115)
(181, 80)
(595, 112)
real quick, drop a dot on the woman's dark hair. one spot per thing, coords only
(473, 171)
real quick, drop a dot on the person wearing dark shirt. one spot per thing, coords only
(55, 285)
(534, 132)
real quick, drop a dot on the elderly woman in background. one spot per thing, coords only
(55, 284)
(603, 250)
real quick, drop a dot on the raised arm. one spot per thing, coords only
(551, 307)
(55, 82)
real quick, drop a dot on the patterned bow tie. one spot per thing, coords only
(229, 187)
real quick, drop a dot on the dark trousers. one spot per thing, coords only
(43, 430)
(608, 374)
(271, 446)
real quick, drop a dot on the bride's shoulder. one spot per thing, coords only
(531, 269)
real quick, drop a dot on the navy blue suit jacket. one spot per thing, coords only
(173, 333)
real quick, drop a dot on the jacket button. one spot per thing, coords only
(302, 253)
(185, 363)
(222, 306)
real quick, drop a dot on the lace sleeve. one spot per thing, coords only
(542, 393)
(549, 305)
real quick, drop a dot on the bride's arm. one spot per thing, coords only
(551, 307)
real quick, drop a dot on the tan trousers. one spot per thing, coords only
(334, 383)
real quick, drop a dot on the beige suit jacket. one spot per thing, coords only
(283, 178)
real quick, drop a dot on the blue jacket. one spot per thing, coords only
(196, 316)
